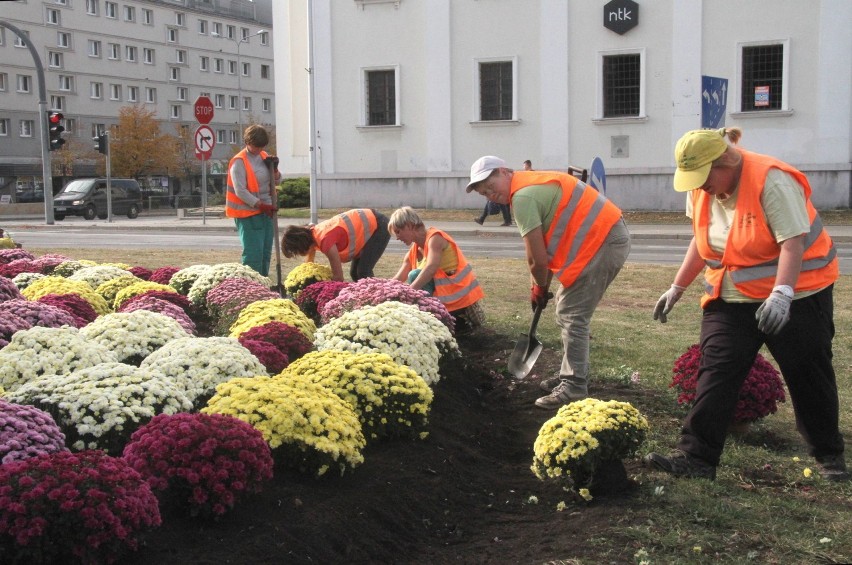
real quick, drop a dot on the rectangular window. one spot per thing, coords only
(172, 35)
(204, 63)
(264, 38)
(20, 42)
(218, 65)
(24, 83)
(92, 7)
(115, 92)
(26, 128)
(54, 59)
(182, 93)
(266, 104)
(763, 77)
(217, 29)
(96, 90)
(63, 2)
(94, 48)
(244, 33)
(232, 67)
(147, 55)
(219, 101)
(4, 79)
(175, 111)
(232, 102)
(264, 71)
(130, 54)
(220, 136)
(496, 90)
(113, 51)
(66, 83)
(52, 16)
(63, 39)
(622, 85)
(202, 27)
(180, 19)
(246, 69)
(232, 137)
(147, 17)
(180, 56)
(231, 32)
(174, 73)
(246, 103)
(98, 129)
(111, 10)
(133, 94)
(57, 102)
(129, 14)
(150, 95)
(4, 127)
(381, 97)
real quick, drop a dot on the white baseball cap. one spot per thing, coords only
(481, 169)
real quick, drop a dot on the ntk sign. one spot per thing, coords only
(621, 16)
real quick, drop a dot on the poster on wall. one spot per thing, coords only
(761, 96)
(714, 101)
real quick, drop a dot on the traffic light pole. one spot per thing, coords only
(47, 173)
(108, 177)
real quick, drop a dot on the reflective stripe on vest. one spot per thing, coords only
(458, 290)
(580, 225)
(235, 207)
(359, 224)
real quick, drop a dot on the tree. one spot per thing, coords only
(137, 146)
(187, 164)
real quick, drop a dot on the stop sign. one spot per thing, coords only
(203, 110)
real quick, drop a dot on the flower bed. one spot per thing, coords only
(68, 268)
(163, 275)
(227, 299)
(286, 339)
(203, 462)
(8, 289)
(9, 326)
(39, 314)
(217, 273)
(275, 310)
(98, 274)
(60, 285)
(183, 279)
(132, 336)
(152, 304)
(304, 275)
(313, 298)
(73, 304)
(26, 431)
(137, 288)
(23, 280)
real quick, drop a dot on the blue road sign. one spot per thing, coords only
(714, 101)
(597, 175)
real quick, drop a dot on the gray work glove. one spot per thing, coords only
(774, 313)
(667, 302)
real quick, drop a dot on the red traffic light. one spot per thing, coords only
(55, 117)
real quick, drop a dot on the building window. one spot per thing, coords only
(622, 85)
(220, 136)
(111, 10)
(4, 79)
(70, 125)
(150, 95)
(763, 76)
(133, 94)
(246, 103)
(264, 71)
(232, 137)
(244, 33)
(266, 104)
(180, 56)
(129, 14)
(174, 73)
(232, 102)
(92, 7)
(24, 83)
(52, 16)
(231, 32)
(94, 48)
(63, 39)
(175, 112)
(264, 38)
(219, 101)
(202, 27)
(115, 92)
(130, 54)
(26, 128)
(4, 127)
(180, 19)
(54, 59)
(217, 29)
(147, 55)
(232, 67)
(246, 69)
(381, 97)
(113, 51)
(98, 129)
(182, 93)
(204, 63)
(147, 17)
(97, 90)
(66, 83)
(20, 42)
(218, 65)
(496, 90)
(63, 2)
(57, 102)
(172, 35)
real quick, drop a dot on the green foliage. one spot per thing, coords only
(295, 193)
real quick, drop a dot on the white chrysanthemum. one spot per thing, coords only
(98, 274)
(217, 273)
(133, 335)
(198, 364)
(39, 351)
(182, 280)
(23, 280)
(406, 333)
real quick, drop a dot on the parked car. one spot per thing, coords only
(88, 198)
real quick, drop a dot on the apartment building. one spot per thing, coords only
(101, 55)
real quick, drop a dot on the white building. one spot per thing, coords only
(101, 55)
(408, 93)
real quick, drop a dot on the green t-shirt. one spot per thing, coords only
(535, 206)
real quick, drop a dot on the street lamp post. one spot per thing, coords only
(239, 43)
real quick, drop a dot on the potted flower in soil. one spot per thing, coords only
(305, 275)
(759, 396)
(586, 441)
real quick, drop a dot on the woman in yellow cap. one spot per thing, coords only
(769, 271)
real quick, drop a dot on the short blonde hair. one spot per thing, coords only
(405, 216)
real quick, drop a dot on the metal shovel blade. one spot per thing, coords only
(527, 350)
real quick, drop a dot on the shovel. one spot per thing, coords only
(526, 350)
(272, 164)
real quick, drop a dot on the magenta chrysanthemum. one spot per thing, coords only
(154, 304)
(14, 268)
(313, 298)
(163, 275)
(143, 273)
(8, 289)
(9, 255)
(288, 339)
(26, 431)
(73, 304)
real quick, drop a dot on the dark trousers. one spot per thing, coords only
(362, 265)
(490, 209)
(730, 341)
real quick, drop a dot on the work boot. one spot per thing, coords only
(547, 385)
(832, 468)
(559, 396)
(681, 464)
(479, 221)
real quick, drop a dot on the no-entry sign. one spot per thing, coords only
(203, 110)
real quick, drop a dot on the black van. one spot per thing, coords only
(88, 198)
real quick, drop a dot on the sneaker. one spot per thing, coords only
(505, 224)
(547, 385)
(558, 397)
(681, 464)
(479, 221)
(832, 468)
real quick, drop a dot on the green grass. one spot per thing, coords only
(761, 508)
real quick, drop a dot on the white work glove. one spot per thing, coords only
(774, 313)
(667, 302)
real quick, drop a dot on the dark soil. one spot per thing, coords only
(461, 496)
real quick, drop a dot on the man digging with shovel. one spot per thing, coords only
(571, 231)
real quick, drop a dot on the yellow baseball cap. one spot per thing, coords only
(694, 154)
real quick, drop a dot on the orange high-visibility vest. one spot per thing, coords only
(751, 252)
(360, 225)
(234, 205)
(580, 225)
(455, 290)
